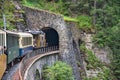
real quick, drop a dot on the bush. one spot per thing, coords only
(84, 22)
(58, 71)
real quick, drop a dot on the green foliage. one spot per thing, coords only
(110, 37)
(8, 11)
(58, 71)
(83, 49)
(70, 19)
(105, 74)
(107, 37)
(115, 65)
(101, 37)
(93, 78)
(95, 64)
(91, 59)
(84, 22)
(62, 7)
(54, 6)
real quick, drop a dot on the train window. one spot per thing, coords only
(2, 38)
(26, 41)
(2, 42)
(12, 41)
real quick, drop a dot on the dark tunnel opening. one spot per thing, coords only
(51, 35)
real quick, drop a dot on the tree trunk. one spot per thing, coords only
(94, 16)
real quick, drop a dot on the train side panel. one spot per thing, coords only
(23, 51)
(12, 47)
(25, 44)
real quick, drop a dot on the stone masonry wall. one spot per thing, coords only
(76, 35)
(39, 64)
(38, 19)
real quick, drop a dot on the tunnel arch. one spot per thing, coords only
(38, 19)
(52, 37)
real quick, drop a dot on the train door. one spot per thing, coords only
(38, 41)
(35, 41)
(42, 40)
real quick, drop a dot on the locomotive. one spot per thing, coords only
(14, 45)
(39, 40)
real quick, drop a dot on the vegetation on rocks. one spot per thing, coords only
(94, 64)
(90, 58)
(62, 7)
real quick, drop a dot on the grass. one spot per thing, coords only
(66, 18)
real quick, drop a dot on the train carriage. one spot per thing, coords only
(12, 46)
(25, 43)
(18, 44)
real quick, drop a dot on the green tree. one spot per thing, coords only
(8, 10)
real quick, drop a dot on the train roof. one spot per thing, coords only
(22, 34)
(35, 32)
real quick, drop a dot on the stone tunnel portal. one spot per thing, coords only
(51, 35)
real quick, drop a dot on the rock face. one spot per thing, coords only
(19, 17)
(101, 54)
(75, 33)
(38, 19)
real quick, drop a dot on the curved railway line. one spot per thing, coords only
(30, 58)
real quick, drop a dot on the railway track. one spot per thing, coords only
(29, 59)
